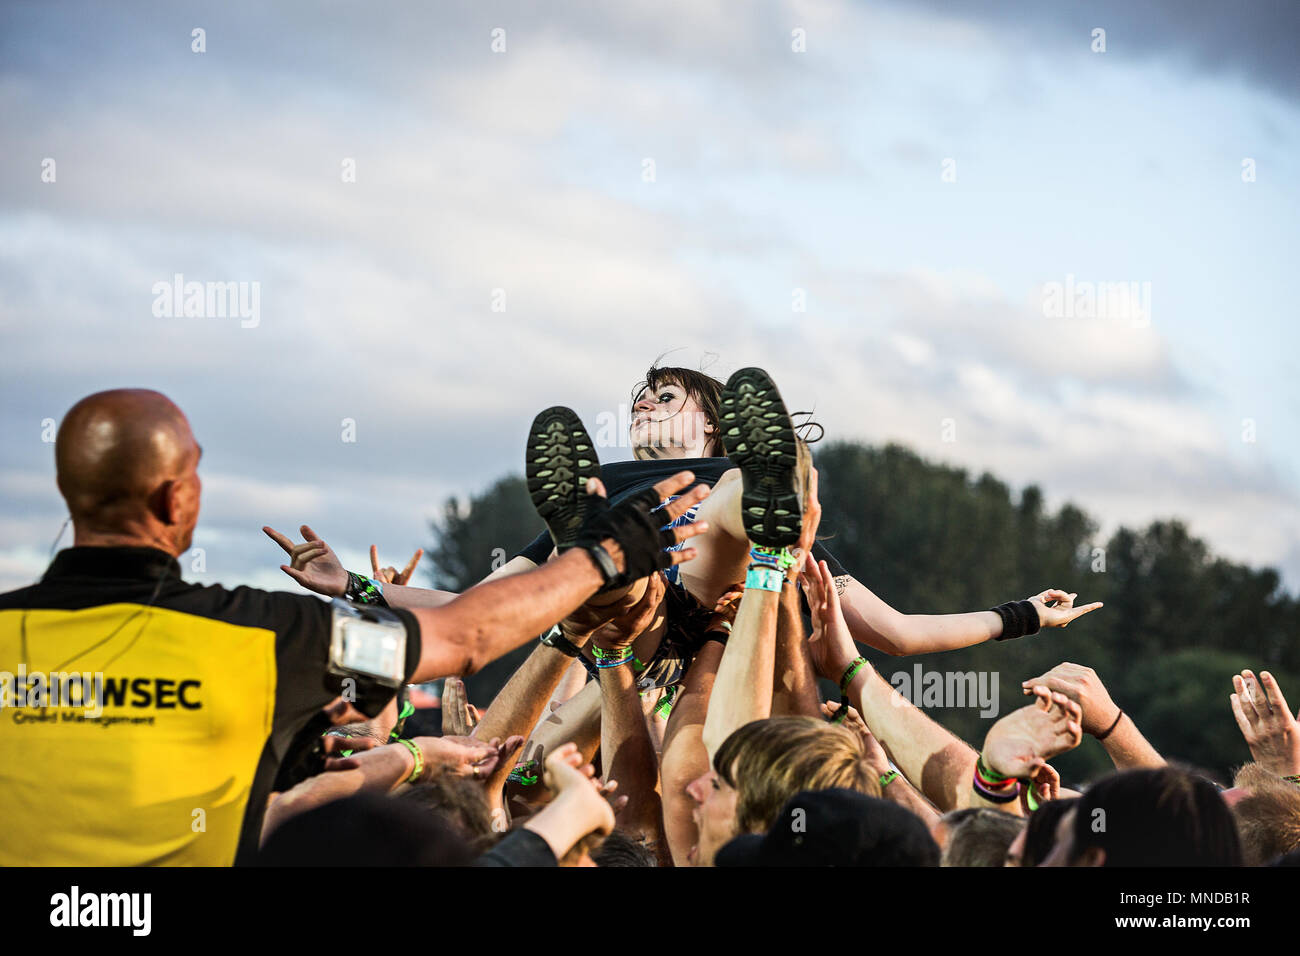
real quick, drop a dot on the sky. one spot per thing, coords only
(455, 215)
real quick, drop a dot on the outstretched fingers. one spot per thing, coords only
(279, 539)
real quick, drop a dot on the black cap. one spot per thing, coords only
(836, 828)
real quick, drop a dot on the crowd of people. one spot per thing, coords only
(683, 617)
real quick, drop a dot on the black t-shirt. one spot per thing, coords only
(623, 478)
(203, 691)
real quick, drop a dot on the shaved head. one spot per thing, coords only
(126, 463)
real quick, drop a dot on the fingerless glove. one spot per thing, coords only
(640, 535)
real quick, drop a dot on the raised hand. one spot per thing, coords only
(576, 786)
(1024, 740)
(1083, 686)
(459, 716)
(312, 564)
(1056, 607)
(1266, 722)
(831, 645)
(391, 575)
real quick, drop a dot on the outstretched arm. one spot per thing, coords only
(315, 566)
(876, 624)
(495, 617)
(382, 769)
(936, 762)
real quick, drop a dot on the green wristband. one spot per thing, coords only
(419, 760)
(987, 775)
(887, 778)
(851, 672)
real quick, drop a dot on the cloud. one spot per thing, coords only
(523, 173)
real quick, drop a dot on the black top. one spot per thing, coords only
(623, 478)
(203, 689)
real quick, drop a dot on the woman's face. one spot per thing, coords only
(668, 423)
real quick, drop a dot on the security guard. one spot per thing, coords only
(143, 720)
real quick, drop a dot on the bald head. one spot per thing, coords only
(126, 463)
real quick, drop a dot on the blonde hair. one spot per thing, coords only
(1268, 818)
(769, 761)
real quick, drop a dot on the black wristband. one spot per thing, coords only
(604, 563)
(1019, 618)
(717, 634)
(555, 638)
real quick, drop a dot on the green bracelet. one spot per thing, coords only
(419, 760)
(851, 672)
(1030, 800)
(887, 778)
(987, 775)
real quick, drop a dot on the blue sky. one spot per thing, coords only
(774, 170)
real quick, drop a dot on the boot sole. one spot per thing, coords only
(558, 462)
(760, 441)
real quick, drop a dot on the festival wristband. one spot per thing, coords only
(992, 795)
(613, 658)
(763, 579)
(779, 558)
(520, 774)
(990, 777)
(364, 590)
(851, 672)
(887, 778)
(993, 786)
(419, 760)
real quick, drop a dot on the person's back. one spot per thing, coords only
(146, 718)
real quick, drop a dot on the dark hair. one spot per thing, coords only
(707, 392)
(1163, 817)
(460, 802)
(365, 830)
(621, 848)
(978, 836)
(1040, 833)
(704, 388)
